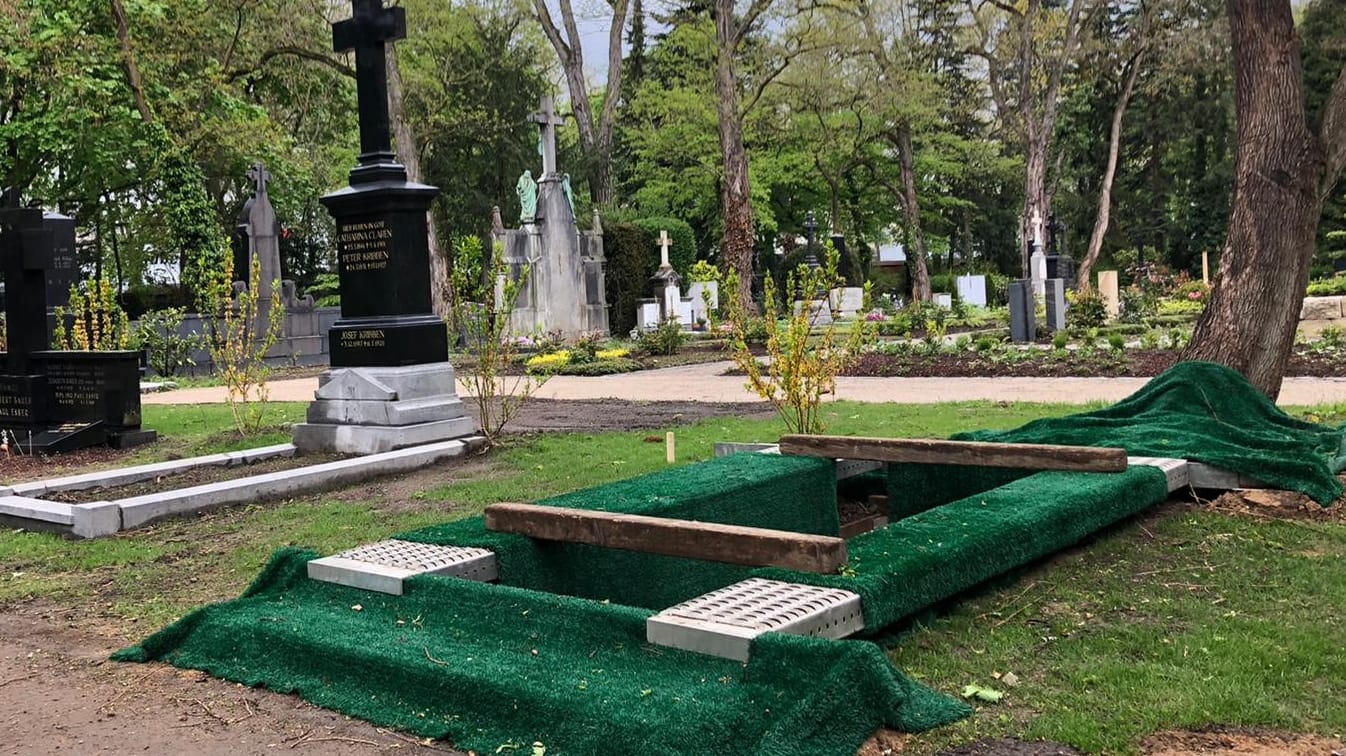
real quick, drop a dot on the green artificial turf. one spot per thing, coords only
(494, 667)
(537, 658)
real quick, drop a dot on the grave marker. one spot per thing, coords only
(56, 401)
(391, 384)
(1108, 289)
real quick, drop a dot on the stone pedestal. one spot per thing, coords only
(1056, 304)
(1023, 319)
(368, 410)
(1109, 290)
(1037, 267)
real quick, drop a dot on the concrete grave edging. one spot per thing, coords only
(129, 475)
(140, 510)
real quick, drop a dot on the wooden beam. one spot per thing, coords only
(976, 453)
(713, 542)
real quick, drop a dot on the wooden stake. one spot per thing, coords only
(670, 448)
(1205, 267)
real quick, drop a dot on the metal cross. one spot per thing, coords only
(547, 121)
(369, 29)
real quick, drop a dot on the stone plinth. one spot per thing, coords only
(369, 410)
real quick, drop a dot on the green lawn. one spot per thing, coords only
(1182, 618)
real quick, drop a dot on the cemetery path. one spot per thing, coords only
(705, 382)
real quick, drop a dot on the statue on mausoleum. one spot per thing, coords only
(527, 191)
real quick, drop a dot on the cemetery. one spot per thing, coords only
(296, 455)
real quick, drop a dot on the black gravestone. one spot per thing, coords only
(52, 401)
(383, 251)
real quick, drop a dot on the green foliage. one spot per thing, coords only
(326, 290)
(237, 350)
(194, 230)
(702, 271)
(664, 340)
(682, 249)
(92, 320)
(1087, 309)
(1117, 342)
(1059, 340)
(488, 335)
(803, 366)
(628, 272)
(167, 350)
(1327, 287)
(600, 367)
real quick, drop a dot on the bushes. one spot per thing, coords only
(1327, 287)
(632, 252)
(1087, 309)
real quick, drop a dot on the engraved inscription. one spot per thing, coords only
(366, 339)
(75, 385)
(364, 246)
(16, 407)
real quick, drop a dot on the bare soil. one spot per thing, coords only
(1228, 741)
(1139, 363)
(194, 477)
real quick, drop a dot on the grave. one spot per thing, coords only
(972, 290)
(56, 401)
(1108, 290)
(391, 384)
(667, 302)
(1022, 306)
(562, 268)
(257, 237)
(1055, 295)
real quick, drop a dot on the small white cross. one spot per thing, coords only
(664, 244)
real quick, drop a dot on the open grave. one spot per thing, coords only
(713, 608)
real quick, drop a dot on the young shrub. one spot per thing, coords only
(547, 363)
(1149, 339)
(664, 340)
(1117, 342)
(804, 365)
(97, 321)
(1087, 309)
(166, 349)
(237, 351)
(1059, 341)
(488, 334)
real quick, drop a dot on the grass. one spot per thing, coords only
(1183, 618)
(1180, 618)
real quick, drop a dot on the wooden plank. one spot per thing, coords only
(713, 542)
(976, 453)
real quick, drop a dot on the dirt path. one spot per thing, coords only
(60, 695)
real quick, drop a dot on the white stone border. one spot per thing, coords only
(108, 517)
(127, 475)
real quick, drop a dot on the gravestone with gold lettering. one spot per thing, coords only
(391, 384)
(56, 401)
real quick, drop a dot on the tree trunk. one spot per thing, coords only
(735, 193)
(1035, 197)
(920, 282)
(595, 137)
(129, 61)
(1278, 169)
(1110, 173)
(407, 152)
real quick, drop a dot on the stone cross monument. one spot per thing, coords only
(1037, 261)
(391, 384)
(547, 121)
(665, 284)
(264, 245)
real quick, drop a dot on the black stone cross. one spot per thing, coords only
(547, 121)
(367, 32)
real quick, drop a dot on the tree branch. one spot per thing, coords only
(297, 52)
(553, 34)
(1332, 134)
(757, 8)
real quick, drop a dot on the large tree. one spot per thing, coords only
(1287, 163)
(595, 135)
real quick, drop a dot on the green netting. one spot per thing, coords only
(1203, 412)
(915, 562)
(757, 490)
(485, 665)
(1198, 411)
